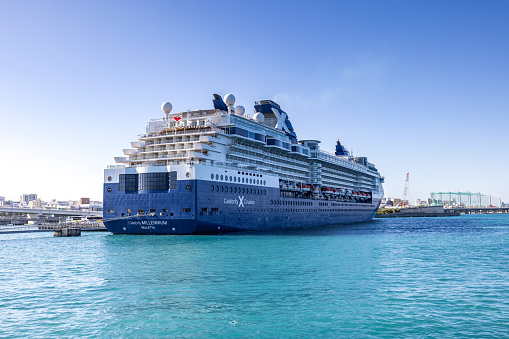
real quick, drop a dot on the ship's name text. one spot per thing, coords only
(148, 222)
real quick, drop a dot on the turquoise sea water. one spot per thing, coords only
(415, 277)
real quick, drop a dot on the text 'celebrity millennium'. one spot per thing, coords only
(219, 170)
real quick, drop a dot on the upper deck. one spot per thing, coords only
(265, 142)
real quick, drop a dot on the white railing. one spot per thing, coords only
(183, 130)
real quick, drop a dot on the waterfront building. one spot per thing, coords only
(26, 198)
(37, 203)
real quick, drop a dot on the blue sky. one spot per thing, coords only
(416, 86)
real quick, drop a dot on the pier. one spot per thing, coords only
(93, 226)
(480, 210)
(21, 216)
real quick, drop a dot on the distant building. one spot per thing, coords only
(396, 201)
(37, 203)
(26, 198)
(84, 201)
(419, 202)
(62, 205)
(10, 203)
(2, 201)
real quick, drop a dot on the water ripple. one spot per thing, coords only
(429, 277)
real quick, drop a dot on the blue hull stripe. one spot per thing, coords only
(202, 207)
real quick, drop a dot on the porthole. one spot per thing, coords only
(222, 188)
(231, 189)
(242, 180)
(217, 188)
(188, 187)
(221, 177)
(212, 176)
(188, 175)
(264, 182)
(243, 190)
(217, 176)
(234, 179)
(235, 189)
(109, 189)
(231, 178)
(212, 188)
(109, 178)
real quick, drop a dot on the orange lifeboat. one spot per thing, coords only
(303, 187)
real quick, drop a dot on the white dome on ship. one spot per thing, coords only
(240, 110)
(166, 107)
(259, 117)
(229, 99)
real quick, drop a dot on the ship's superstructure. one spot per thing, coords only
(220, 170)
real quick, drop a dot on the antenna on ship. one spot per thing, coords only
(229, 100)
(167, 107)
(240, 110)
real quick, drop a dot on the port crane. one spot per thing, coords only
(405, 191)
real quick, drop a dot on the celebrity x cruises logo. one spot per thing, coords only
(241, 202)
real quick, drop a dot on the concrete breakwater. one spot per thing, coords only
(427, 211)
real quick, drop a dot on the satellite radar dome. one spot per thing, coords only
(166, 107)
(240, 110)
(229, 99)
(259, 117)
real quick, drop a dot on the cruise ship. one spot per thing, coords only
(221, 170)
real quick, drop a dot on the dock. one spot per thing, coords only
(67, 232)
(88, 227)
(421, 212)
